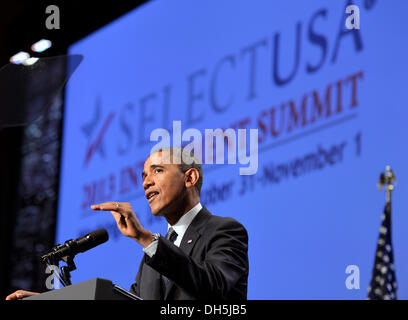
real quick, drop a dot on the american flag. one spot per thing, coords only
(383, 285)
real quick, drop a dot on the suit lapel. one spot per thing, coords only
(189, 240)
(191, 236)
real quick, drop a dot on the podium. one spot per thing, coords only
(94, 289)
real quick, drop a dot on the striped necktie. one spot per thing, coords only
(171, 235)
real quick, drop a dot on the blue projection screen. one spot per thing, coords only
(329, 104)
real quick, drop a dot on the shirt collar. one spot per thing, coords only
(181, 226)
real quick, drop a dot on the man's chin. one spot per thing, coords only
(157, 211)
(162, 210)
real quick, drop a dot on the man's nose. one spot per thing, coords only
(147, 182)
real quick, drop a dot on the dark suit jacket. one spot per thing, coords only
(211, 263)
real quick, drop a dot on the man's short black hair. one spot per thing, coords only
(187, 161)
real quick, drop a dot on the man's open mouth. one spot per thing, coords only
(150, 196)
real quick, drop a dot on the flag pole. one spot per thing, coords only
(383, 284)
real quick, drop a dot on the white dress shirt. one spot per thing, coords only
(180, 227)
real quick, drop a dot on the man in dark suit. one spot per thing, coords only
(203, 256)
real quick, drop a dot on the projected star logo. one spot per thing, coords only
(95, 133)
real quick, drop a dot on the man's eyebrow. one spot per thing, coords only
(153, 166)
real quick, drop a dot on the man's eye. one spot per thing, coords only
(158, 170)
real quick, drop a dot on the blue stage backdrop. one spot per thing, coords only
(330, 107)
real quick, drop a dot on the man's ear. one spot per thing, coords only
(192, 175)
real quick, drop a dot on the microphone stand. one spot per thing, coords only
(64, 276)
(65, 271)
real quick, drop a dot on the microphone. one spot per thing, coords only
(72, 247)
